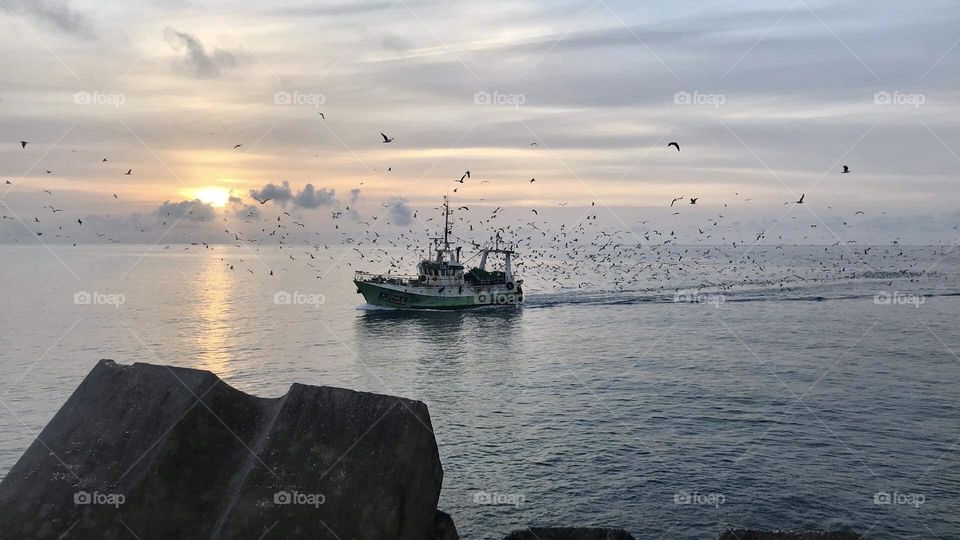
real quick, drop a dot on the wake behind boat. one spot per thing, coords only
(442, 283)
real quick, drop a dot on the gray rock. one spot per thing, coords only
(443, 527)
(569, 533)
(752, 534)
(165, 452)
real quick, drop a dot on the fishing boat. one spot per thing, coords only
(443, 282)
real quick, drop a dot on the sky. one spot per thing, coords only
(767, 100)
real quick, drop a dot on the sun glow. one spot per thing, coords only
(212, 195)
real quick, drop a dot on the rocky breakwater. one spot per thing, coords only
(166, 452)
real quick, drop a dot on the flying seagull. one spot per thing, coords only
(680, 198)
(129, 172)
(674, 144)
(693, 200)
(261, 201)
(385, 138)
(23, 144)
(802, 195)
(322, 116)
(845, 170)
(237, 146)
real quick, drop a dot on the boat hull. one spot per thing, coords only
(406, 297)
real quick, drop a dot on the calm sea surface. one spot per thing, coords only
(755, 406)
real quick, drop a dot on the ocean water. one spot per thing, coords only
(797, 397)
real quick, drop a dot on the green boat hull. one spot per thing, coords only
(400, 297)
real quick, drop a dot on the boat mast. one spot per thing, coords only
(446, 222)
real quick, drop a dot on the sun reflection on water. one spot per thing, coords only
(213, 290)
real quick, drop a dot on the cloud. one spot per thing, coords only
(279, 194)
(247, 211)
(58, 13)
(197, 60)
(395, 42)
(310, 198)
(342, 8)
(352, 204)
(400, 212)
(194, 210)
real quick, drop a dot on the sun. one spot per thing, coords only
(212, 195)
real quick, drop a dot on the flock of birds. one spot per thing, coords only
(580, 254)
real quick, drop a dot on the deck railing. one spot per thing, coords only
(488, 281)
(414, 281)
(396, 279)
